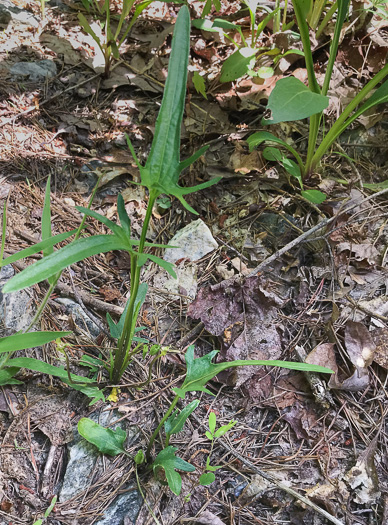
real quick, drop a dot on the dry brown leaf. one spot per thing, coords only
(208, 518)
(380, 339)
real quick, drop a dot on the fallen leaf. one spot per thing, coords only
(363, 478)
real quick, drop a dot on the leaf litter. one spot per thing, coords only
(339, 450)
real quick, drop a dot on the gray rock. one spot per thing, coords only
(126, 506)
(16, 311)
(10, 12)
(84, 457)
(80, 318)
(34, 71)
(194, 241)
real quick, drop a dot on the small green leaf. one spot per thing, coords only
(92, 392)
(292, 100)
(167, 460)
(139, 458)
(107, 441)
(225, 428)
(117, 329)
(209, 435)
(212, 422)
(123, 215)
(176, 421)
(238, 64)
(7, 374)
(314, 196)
(207, 479)
(46, 219)
(169, 267)
(272, 154)
(16, 342)
(199, 84)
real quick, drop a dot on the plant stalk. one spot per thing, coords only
(122, 353)
(164, 418)
(341, 123)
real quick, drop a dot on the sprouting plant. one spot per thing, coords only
(111, 40)
(48, 512)
(243, 60)
(292, 100)
(199, 372)
(208, 476)
(160, 175)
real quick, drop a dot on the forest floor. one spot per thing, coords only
(305, 450)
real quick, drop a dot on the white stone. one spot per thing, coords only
(194, 241)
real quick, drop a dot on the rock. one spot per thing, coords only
(34, 71)
(10, 12)
(80, 318)
(84, 458)
(126, 506)
(194, 241)
(16, 310)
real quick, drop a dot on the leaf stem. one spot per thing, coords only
(164, 418)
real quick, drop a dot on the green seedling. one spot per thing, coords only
(111, 41)
(48, 512)
(108, 441)
(208, 476)
(292, 100)
(243, 60)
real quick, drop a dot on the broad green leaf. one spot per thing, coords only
(293, 169)
(7, 374)
(58, 261)
(264, 136)
(176, 421)
(207, 479)
(40, 246)
(107, 441)
(314, 196)
(167, 460)
(238, 64)
(212, 422)
(199, 84)
(16, 342)
(162, 169)
(272, 154)
(117, 329)
(201, 370)
(292, 100)
(40, 366)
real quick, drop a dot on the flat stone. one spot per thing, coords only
(194, 241)
(16, 311)
(80, 318)
(126, 506)
(34, 71)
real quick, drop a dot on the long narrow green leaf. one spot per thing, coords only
(16, 342)
(40, 366)
(7, 374)
(36, 248)
(85, 24)
(202, 370)
(58, 261)
(46, 219)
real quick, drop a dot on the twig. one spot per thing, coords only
(307, 234)
(279, 484)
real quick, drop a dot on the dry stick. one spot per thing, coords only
(279, 484)
(307, 234)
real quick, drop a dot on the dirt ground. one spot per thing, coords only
(305, 450)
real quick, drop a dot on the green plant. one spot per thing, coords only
(243, 60)
(48, 511)
(292, 100)
(199, 372)
(208, 476)
(110, 42)
(160, 175)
